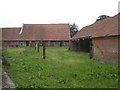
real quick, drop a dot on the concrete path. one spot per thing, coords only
(6, 81)
(0, 76)
(0, 65)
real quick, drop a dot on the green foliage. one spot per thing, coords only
(4, 60)
(61, 68)
(101, 17)
(73, 29)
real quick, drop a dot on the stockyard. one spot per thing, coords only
(35, 57)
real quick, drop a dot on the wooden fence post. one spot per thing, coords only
(44, 56)
(38, 47)
(35, 46)
(91, 48)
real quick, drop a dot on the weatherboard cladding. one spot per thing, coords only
(38, 32)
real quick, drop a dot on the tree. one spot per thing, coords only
(73, 29)
(101, 17)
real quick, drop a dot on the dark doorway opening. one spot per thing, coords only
(61, 44)
(21, 44)
(27, 43)
(85, 45)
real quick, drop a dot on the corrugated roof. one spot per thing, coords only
(106, 27)
(39, 32)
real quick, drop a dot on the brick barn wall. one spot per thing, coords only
(72, 46)
(33, 43)
(57, 43)
(105, 48)
(75, 45)
(10, 43)
(51, 43)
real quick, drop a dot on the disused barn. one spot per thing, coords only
(10, 36)
(100, 39)
(30, 34)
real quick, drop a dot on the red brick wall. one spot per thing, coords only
(10, 44)
(105, 48)
(75, 45)
(32, 43)
(49, 43)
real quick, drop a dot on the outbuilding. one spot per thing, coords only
(100, 39)
(30, 34)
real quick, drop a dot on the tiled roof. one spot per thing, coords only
(102, 28)
(10, 33)
(39, 32)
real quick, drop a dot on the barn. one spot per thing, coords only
(10, 36)
(100, 39)
(30, 34)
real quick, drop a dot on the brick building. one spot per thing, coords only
(30, 34)
(100, 39)
(10, 36)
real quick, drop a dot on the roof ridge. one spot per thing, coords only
(10, 27)
(46, 24)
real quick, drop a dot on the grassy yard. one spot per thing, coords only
(62, 68)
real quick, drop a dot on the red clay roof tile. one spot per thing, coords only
(10, 33)
(106, 27)
(38, 32)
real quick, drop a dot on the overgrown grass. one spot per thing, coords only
(61, 69)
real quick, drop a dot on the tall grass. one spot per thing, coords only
(61, 69)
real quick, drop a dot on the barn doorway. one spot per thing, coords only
(86, 46)
(27, 43)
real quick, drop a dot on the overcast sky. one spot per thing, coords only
(82, 12)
